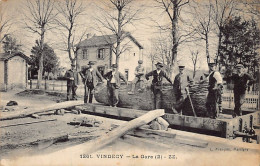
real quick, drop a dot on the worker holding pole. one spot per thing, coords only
(181, 81)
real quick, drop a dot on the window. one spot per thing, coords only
(126, 74)
(85, 54)
(101, 53)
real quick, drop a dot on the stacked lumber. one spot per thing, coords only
(198, 93)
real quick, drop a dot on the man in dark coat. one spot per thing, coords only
(72, 82)
(156, 86)
(113, 84)
(214, 91)
(241, 81)
(181, 81)
(89, 77)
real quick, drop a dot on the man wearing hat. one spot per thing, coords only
(156, 86)
(214, 91)
(139, 76)
(89, 76)
(113, 84)
(181, 81)
(72, 82)
(241, 81)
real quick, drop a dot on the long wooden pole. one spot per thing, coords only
(18, 124)
(24, 113)
(122, 130)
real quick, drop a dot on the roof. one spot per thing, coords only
(105, 40)
(7, 56)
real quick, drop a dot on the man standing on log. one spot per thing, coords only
(72, 82)
(90, 81)
(179, 85)
(113, 84)
(139, 76)
(156, 86)
(241, 81)
(214, 91)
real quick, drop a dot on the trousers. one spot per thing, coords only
(239, 99)
(71, 92)
(112, 92)
(88, 92)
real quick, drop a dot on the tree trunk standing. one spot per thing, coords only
(174, 35)
(119, 34)
(219, 45)
(207, 48)
(40, 71)
(69, 45)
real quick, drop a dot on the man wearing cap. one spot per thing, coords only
(113, 84)
(139, 76)
(72, 82)
(241, 81)
(214, 91)
(179, 85)
(156, 86)
(90, 81)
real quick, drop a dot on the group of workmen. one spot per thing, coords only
(181, 83)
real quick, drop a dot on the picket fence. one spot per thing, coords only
(251, 99)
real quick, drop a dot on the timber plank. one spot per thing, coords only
(24, 113)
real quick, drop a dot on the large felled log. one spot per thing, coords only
(139, 100)
(105, 139)
(198, 94)
(24, 113)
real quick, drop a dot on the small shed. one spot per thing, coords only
(13, 71)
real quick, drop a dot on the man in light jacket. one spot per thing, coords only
(113, 84)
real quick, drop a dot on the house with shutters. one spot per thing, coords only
(100, 50)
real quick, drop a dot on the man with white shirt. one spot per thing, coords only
(113, 84)
(214, 91)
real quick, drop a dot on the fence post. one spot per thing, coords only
(53, 85)
(61, 85)
(30, 83)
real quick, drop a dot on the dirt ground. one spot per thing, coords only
(38, 141)
(33, 137)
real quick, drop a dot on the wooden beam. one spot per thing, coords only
(167, 137)
(19, 124)
(145, 142)
(105, 139)
(27, 112)
(222, 127)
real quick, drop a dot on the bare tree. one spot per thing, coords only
(161, 50)
(221, 12)
(252, 7)
(202, 23)
(5, 22)
(117, 23)
(39, 15)
(70, 11)
(195, 59)
(173, 9)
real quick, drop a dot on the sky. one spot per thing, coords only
(143, 29)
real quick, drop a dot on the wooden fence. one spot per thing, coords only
(251, 99)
